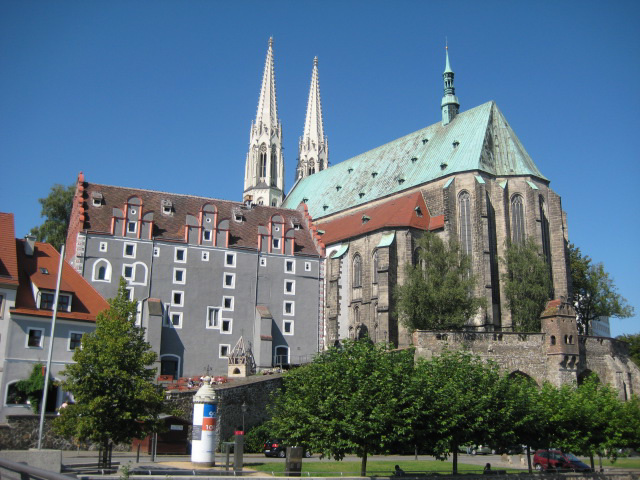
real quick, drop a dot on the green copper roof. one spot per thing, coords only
(430, 153)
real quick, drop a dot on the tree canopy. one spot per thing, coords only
(634, 346)
(438, 291)
(351, 399)
(111, 380)
(594, 291)
(56, 209)
(527, 284)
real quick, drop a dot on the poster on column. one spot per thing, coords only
(209, 426)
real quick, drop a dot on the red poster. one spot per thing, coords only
(208, 424)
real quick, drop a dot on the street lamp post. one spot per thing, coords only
(244, 408)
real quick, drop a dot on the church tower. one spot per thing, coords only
(450, 103)
(313, 151)
(264, 169)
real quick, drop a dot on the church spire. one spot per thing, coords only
(264, 168)
(313, 151)
(450, 104)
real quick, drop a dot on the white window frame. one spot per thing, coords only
(184, 276)
(175, 255)
(96, 267)
(222, 323)
(293, 266)
(286, 322)
(135, 226)
(207, 233)
(73, 332)
(133, 271)
(166, 209)
(134, 267)
(156, 251)
(177, 314)
(96, 201)
(124, 249)
(293, 287)
(220, 347)
(233, 280)
(216, 323)
(173, 293)
(307, 266)
(205, 256)
(228, 297)
(293, 307)
(233, 259)
(263, 261)
(103, 246)
(38, 347)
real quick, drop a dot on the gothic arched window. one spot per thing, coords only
(517, 219)
(357, 271)
(263, 160)
(464, 217)
(544, 224)
(374, 263)
(274, 163)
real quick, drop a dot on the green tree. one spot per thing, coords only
(350, 399)
(634, 346)
(56, 208)
(31, 388)
(437, 293)
(527, 284)
(594, 292)
(457, 395)
(111, 380)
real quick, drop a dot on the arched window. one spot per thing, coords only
(544, 224)
(357, 271)
(170, 365)
(102, 270)
(553, 339)
(282, 356)
(464, 217)
(374, 263)
(262, 156)
(356, 315)
(517, 219)
(274, 166)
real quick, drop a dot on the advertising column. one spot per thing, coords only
(203, 437)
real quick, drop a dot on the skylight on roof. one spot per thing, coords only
(44, 271)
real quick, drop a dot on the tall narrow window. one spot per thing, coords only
(357, 271)
(263, 161)
(464, 218)
(274, 168)
(517, 219)
(544, 228)
(374, 262)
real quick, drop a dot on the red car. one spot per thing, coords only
(556, 460)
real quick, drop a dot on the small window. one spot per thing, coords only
(176, 319)
(177, 298)
(223, 350)
(357, 271)
(46, 301)
(181, 255)
(103, 246)
(156, 251)
(206, 235)
(166, 209)
(230, 259)
(64, 303)
(34, 337)
(75, 340)
(553, 339)
(97, 201)
(307, 266)
(287, 327)
(276, 244)
(289, 308)
(179, 275)
(127, 271)
(226, 325)
(129, 250)
(229, 280)
(238, 217)
(263, 261)
(289, 287)
(130, 292)
(290, 266)
(132, 227)
(205, 256)
(213, 314)
(227, 303)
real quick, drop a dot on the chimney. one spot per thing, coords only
(29, 245)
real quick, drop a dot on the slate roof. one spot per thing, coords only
(171, 227)
(396, 212)
(8, 256)
(428, 154)
(86, 302)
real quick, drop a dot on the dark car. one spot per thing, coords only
(556, 460)
(275, 448)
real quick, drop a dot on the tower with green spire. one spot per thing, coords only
(450, 103)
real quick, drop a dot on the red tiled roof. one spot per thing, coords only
(171, 227)
(86, 302)
(395, 212)
(8, 258)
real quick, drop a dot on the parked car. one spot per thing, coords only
(557, 460)
(476, 449)
(275, 448)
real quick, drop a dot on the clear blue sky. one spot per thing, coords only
(160, 95)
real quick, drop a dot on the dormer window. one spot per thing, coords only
(400, 181)
(414, 159)
(424, 141)
(47, 298)
(338, 187)
(96, 199)
(44, 271)
(361, 194)
(456, 143)
(374, 174)
(305, 200)
(418, 211)
(238, 217)
(167, 207)
(365, 218)
(350, 170)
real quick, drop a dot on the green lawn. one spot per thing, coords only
(375, 467)
(632, 462)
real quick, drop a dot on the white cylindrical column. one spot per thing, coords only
(205, 414)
